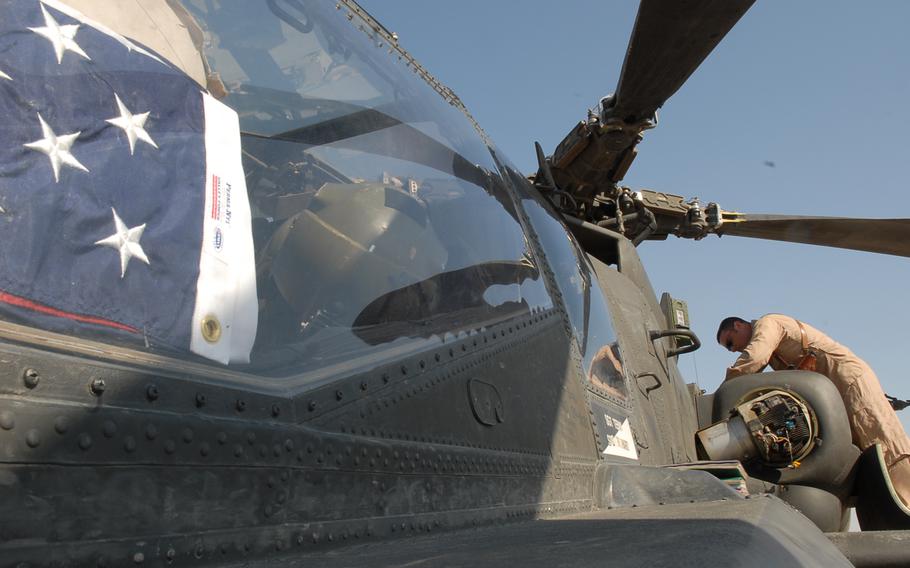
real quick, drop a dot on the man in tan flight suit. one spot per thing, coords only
(778, 340)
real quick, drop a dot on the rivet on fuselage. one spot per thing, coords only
(97, 386)
(110, 429)
(31, 378)
(7, 420)
(33, 438)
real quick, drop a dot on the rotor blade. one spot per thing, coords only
(886, 236)
(670, 40)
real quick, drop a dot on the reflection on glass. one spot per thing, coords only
(378, 220)
(603, 358)
(571, 274)
(289, 64)
(606, 371)
(348, 264)
(584, 301)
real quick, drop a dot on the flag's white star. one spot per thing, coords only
(126, 241)
(5, 76)
(61, 37)
(77, 15)
(132, 124)
(57, 148)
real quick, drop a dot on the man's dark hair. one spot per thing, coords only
(726, 324)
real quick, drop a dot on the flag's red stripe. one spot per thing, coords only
(41, 308)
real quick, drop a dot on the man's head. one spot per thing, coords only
(734, 333)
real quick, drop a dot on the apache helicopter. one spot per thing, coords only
(304, 311)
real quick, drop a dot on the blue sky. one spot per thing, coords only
(819, 88)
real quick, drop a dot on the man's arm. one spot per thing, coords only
(766, 336)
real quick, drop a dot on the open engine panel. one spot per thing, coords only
(776, 427)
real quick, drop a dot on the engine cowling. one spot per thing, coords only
(789, 428)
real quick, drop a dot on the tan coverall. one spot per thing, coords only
(871, 417)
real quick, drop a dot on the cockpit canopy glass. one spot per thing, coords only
(379, 219)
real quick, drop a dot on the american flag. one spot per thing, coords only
(123, 208)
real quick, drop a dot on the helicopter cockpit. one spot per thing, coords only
(380, 216)
(367, 195)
